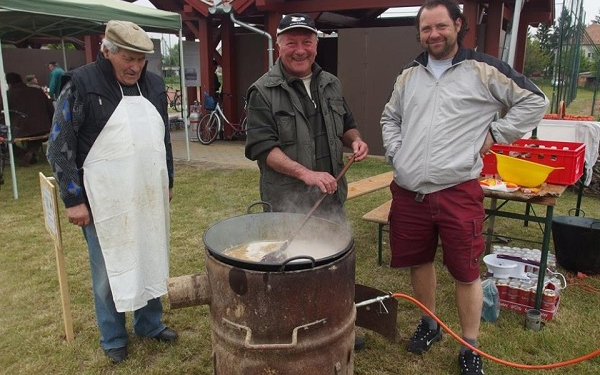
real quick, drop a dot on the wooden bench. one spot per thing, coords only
(379, 215)
(43, 137)
(369, 184)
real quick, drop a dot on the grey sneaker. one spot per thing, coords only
(470, 363)
(423, 338)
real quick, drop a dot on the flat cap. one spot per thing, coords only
(129, 36)
(295, 21)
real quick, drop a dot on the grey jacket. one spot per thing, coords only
(433, 129)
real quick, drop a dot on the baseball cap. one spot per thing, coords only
(129, 36)
(294, 21)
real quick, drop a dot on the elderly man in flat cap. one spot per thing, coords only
(111, 155)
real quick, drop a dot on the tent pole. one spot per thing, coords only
(11, 153)
(62, 43)
(184, 99)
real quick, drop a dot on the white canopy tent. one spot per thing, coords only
(23, 19)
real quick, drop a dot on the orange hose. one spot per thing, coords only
(488, 356)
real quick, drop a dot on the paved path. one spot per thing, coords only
(218, 154)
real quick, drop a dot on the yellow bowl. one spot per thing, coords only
(522, 172)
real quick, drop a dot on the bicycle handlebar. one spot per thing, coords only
(231, 95)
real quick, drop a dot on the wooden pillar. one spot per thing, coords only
(206, 52)
(92, 47)
(494, 28)
(470, 12)
(228, 57)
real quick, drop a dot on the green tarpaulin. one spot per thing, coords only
(24, 19)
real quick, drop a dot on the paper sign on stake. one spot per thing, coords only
(52, 222)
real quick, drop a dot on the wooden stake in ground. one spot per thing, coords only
(52, 220)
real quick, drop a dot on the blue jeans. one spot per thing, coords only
(113, 334)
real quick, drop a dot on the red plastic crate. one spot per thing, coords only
(570, 155)
(522, 309)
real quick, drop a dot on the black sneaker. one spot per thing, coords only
(423, 338)
(470, 363)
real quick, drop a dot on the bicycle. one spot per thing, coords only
(211, 124)
(174, 99)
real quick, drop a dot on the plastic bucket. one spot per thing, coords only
(577, 243)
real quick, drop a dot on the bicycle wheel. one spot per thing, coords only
(177, 103)
(208, 128)
(239, 130)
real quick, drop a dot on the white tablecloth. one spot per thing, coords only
(586, 132)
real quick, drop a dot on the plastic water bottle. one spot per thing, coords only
(491, 301)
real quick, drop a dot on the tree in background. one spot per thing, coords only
(585, 64)
(171, 56)
(595, 64)
(547, 43)
(595, 69)
(170, 63)
(547, 38)
(537, 60)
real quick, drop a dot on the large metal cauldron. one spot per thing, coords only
(274, 319)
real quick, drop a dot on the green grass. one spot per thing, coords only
(581, 105)
(31, 324)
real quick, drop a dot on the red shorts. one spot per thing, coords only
(455, 215)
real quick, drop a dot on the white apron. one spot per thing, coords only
(126, 180)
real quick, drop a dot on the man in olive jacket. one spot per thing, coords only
(298, 124)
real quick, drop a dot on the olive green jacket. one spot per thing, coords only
(276, 119)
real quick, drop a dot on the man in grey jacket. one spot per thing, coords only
(446, 110)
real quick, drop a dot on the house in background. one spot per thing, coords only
(586, 79)
(591, 39)
(590, 44)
